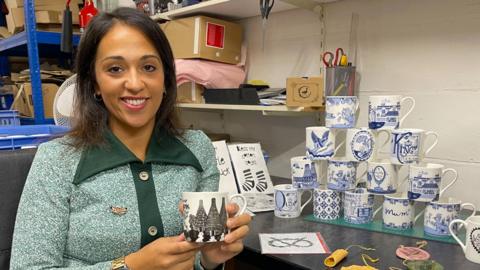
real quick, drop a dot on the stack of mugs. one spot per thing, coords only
(362, 145)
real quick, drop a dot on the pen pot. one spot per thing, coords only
(340, 81)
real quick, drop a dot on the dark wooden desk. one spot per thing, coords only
(449, 255)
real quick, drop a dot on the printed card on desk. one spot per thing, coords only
(293, 243)
(227, 178)
(250, 168)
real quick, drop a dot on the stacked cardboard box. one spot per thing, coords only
(46, 12)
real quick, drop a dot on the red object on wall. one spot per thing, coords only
(215, 35)
(87, 13)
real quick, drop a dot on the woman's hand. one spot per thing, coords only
(218, 253)
(167, 253)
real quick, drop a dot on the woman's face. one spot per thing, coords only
(130, 78)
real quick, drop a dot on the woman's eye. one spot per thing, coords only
(150, 68)
(115, 69)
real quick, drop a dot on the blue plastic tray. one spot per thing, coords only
(9, 118)
(14, 137)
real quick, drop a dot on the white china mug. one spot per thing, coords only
(384, 111)
(361, 144)
(383, 177)
(407, 145)
(341, 111)
(304, 174)
(342, 174)
(326, 203)
(358, 206)
(205, 215)
(320, 143)
(424, 181)
(471, 248)
(288, 201)
(439, 214)
(398, 212)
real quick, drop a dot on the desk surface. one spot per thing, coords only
(449, 255)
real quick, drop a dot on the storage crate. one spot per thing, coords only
(9, 118)
(30, 136)
(6, 101)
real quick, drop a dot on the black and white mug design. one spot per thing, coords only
(205, 215)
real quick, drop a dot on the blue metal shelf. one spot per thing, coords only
(35, 41)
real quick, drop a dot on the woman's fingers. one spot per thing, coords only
(235, 247)
(237, 234)
(234, 222)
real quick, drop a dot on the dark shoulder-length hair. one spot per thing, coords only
(90, 115)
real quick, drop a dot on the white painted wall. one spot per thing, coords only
(428, 49)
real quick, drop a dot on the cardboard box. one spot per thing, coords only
(305, 92)
(43, 14)
(24, 102)
(205, 38)
(190, 93)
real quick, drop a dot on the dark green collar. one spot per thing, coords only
(162, 148)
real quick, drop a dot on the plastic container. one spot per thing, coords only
(9, 118)
(15, 137)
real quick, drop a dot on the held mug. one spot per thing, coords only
(382, 177)
(326, 203)
(407, 145)
(340, 111)
(439, 214)
(425, 181)
(471, 248)
(342, 174)
(205, 215)
(384, 111)
(304, 175)
(288, 201)
(320, 143)
(358, 206)
(398, 212)
(361, 144)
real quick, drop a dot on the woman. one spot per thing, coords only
(106, 196)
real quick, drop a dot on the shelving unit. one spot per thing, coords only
(266, 110)
(228, 9)
(32, 43)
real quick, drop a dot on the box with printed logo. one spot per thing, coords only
(305, 92)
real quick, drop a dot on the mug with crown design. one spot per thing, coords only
(205, 215)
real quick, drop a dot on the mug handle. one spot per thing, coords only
(385, 142)
(409, 111)
(428, 133)
(363, 174)
(377, 210)
(402, 182)
(309, 199)
(244, 202)
(419, 214)
(465, 205)
(452, 182)
(450, 228)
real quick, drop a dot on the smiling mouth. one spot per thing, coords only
(134, 101)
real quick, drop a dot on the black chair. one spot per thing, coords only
(14, 167)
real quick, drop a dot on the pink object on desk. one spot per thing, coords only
(209, 74)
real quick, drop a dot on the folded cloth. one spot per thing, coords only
(209, 74)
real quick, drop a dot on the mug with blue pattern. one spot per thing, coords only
(384, 111)
(382, 177)
(326, 203)
(288, 201)
(304, 174)
(407, 145)
(342, 174)
(398, 212)
(439, 214)
(340, 111)
(320, 143)
(358, 206)
(425, 181)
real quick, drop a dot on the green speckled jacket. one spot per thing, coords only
(72, 210)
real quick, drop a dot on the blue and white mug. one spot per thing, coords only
(425, 181)
(384, 111)
(340, 111)
(398, 212)
(382, 177)
(320, 143)
(439, 214)
(407, 145)
(326, 203)
(288, 201)
(361, 144)
(358, 206)
(304, 174)
(342, 174)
